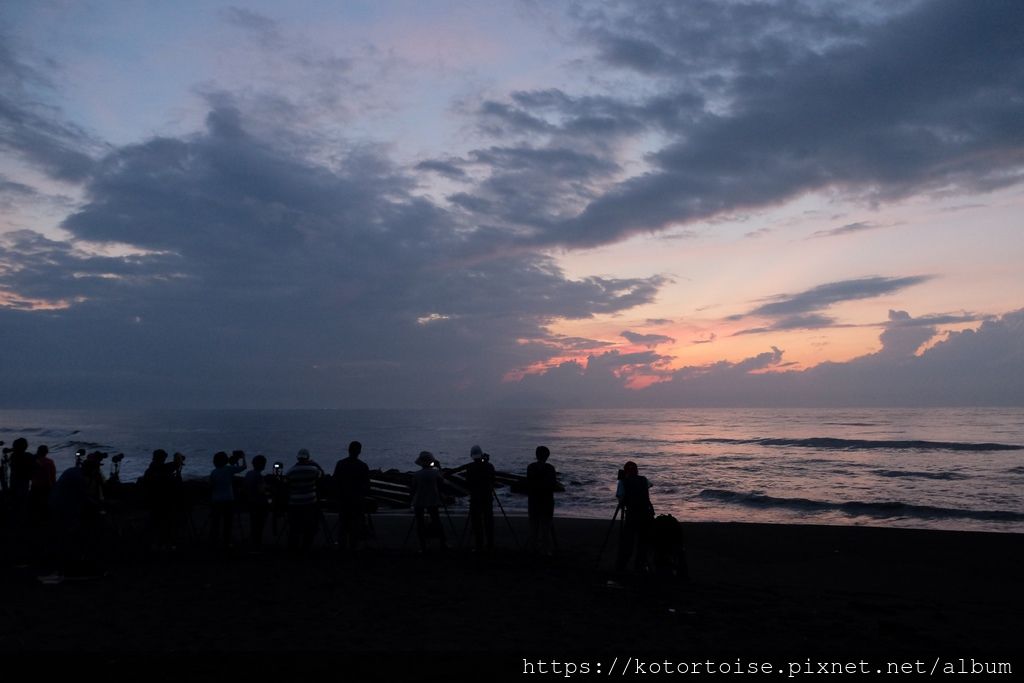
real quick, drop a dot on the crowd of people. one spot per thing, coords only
(62, 517)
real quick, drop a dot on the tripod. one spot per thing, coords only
(619, 508)
(512, 530)
(322, 526)
(416, 518)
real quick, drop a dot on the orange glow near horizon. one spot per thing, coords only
(802, 349)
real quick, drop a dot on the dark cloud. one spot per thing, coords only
(445, 168)
(259, 277)
(266, 30)
(847, 229)
(810, 321)
(902, 319)
(760, 103)
(36, 131)
(648, 340)
(792, 309)
(527, 188)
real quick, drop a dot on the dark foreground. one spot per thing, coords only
(759, 593)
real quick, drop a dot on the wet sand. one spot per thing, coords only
(756, 591)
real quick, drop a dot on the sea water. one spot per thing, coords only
(945, 468)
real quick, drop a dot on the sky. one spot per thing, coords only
(398, 204)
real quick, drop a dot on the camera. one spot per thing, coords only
(236, 456)
(118, 457)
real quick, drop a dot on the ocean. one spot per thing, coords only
(935, 468)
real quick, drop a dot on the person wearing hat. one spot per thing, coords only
(480, 482)
(426, 497)
(302, 511)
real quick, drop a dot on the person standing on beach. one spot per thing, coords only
(426, 497)
(44, 476)
(257, 500)
(541, 483)
(22, 466)
(277, 485)
(480, 482)
(352, 486)
(638, 516)
(302, 510)
(222, 496)
(158, 489)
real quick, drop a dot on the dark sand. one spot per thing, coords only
(759, 592)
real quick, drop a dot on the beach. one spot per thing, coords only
(756, 592)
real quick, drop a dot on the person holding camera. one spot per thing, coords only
(638, 515)
(222, 496)
(157, 487)
(302, 502)
(277, 486)
(480, 483)
(426, 497)
(257, 499)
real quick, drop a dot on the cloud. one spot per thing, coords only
(266, 31)
(970, 367)
(847, 229)
(257, 276)
(35, 131)
(445, 168)
(761, 103)
(648, 340)
(792, 308)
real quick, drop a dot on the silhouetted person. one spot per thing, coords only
(277, 484)
(22, 464)
(222, 496)
(302, 499)
(638, 514)
(76, 510)
(541, 482)
(44, 476)
(480, 482)
(426, 498)
(94, 480)
(158, 489)
(351, 486)
(257, 499)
